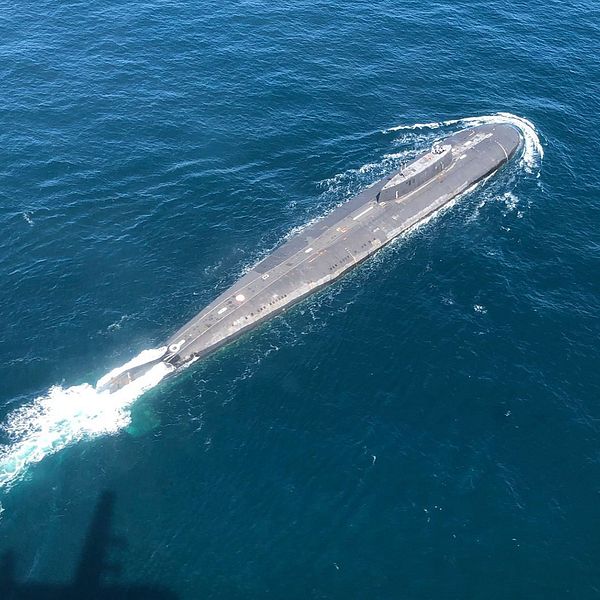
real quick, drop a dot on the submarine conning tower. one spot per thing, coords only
(417, 173)
(324, 250)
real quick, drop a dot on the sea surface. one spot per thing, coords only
(426, 428)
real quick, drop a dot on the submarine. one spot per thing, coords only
(322, 252)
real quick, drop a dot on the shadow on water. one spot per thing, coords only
(93, 568)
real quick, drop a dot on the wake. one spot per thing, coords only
(533, 150)
(64, 416)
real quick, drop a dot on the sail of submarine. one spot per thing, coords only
(323, 251)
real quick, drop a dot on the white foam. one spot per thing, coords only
(432, 125)
(143, 357)
(64, 416)
(511, 201)
(353, 180)
(118, 323)
(533, 150)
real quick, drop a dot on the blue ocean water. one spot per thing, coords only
(426, 428)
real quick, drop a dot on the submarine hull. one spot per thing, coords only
(321, 252)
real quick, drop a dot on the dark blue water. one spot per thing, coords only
(427, 428)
